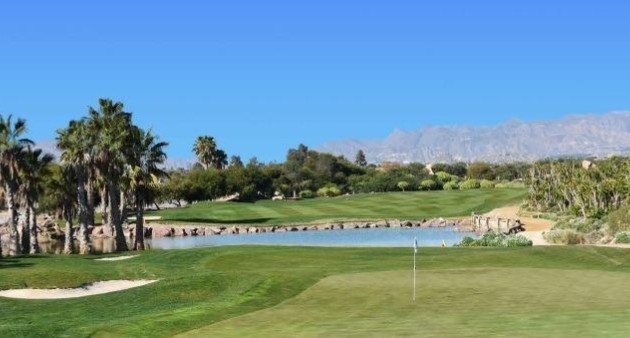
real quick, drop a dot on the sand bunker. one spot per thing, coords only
(95, 288)
(119, 258)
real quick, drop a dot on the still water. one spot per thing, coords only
(379, 237)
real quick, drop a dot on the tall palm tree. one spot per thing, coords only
(205, 148)
(12, 147)
(34, 168)
(145, 173)
(111, 154)
(75, 143)
(61, 192)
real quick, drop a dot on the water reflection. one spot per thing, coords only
(379, 237)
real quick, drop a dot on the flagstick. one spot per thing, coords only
(414, 269)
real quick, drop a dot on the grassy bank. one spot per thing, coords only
(407, 205)
(552, 291)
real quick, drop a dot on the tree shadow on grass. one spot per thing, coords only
(7, 263)
(222, 221)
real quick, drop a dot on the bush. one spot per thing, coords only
(306, 194)
(329, 191)
(623, 237)
(564, 236)
(583, 225)
(451, 186)
(470, 184)
(443, 176)
(486, 184)
(619, 220)
(428, 185)
(493, 239)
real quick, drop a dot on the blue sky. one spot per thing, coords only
(263, 76)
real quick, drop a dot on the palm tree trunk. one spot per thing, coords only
(34, 248)
(115, 219)
(26, 226)
(68, 246)
(14, 240)
(107, 224)
(89, 188)
(84, 240)
(139, 240)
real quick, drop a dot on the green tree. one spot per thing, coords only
(75, 144)
(12, 147)
(111, 153)
(402, 185)
(208, 154)
(145, 172)
(360, 159)
(34, 169)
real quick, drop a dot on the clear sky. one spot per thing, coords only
(263, 76)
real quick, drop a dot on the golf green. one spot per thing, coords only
(308, 291)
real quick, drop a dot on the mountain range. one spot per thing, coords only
(513, 140)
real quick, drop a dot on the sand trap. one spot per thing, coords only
(95, 288)
(119, 258)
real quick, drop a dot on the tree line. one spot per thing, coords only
(307, 173)
(105, 160)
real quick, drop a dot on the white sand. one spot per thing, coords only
(118, 258)
(95, 288)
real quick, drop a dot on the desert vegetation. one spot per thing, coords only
(589, 198)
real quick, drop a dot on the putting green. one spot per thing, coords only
(455, 302)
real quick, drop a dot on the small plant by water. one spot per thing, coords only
(493, 239)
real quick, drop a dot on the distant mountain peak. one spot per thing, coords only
(511, 140)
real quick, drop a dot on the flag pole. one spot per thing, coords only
(415, 249)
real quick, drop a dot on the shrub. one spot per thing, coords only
(443, 176)
(451, 186)
(583, 225)
(493, 239)
(428, 184)
(306, 194)
(402, 185)
(486, 184)
(623, 237)
(564, 236)
(329, 191)
(470, 184)
(619, 220)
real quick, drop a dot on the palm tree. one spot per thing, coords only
(61, 194)
(145, 174)
(111, 154)
(75, 143)
(34, 168)
(208, 154)
(12, 146)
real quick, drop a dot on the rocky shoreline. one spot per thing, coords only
(50, 231)
(158, 230)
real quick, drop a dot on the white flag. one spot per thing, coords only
(415, 245)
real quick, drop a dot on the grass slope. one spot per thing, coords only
(409, 205)
(463, 291)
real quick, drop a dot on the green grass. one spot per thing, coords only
(289, 291)
(407, 205)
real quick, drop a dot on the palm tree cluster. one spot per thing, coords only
(21, 171)
(587, 189)
(105, 159)
(208, 153)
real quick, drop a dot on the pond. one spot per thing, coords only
(379, 237)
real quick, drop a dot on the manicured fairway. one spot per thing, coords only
(293, 291)
(410, 205)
